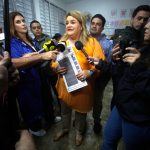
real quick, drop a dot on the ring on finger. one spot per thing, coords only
(83, 77)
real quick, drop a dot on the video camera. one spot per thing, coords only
(128, 37)
(125, 42)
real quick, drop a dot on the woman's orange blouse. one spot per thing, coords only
(81, 100)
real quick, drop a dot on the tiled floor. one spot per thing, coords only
(91, 141)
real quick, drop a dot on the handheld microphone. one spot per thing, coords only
(79, 46)
(48, 46)
(51, 45)
(61, 46)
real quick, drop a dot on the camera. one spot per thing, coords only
(128, 37)
(125, 42)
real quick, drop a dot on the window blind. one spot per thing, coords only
(52, 18)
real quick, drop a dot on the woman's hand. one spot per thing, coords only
(5, 60)
(116, 52)
(83, 75)
(132, 56)
(61, 70)
(93, 60)
(13, 75)
(51, 55)
(26, 141)
(3, 82)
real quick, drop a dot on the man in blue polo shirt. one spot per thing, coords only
(96, 28)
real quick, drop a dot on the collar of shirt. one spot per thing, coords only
(42, 38)
(102, 37)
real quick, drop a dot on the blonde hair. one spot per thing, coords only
(82, 20)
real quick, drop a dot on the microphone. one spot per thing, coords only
(61, 46)
(51, 45)
(79, 46)
(48, 46)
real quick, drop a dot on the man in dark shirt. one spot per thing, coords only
(40, 37)
(130, 117)
(134, 36)
(45, 72)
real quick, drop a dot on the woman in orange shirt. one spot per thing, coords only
(80, 100)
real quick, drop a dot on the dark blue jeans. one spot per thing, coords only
(134, 136)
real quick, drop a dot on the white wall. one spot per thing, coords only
(105, 7)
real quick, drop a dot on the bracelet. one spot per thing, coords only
(91, 72)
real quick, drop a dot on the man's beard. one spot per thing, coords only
(94, 33)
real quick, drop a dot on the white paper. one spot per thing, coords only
(68, 59)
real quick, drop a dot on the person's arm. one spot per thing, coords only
(131, 57)
(27, 61)
(3, 80)
(4, 63)
(137, 74)
(100, 64)
(137, 79)
(104, 66)
(116, 53)
(26, 141)
(85, 74)
(13, 74)
(142, 82)
(98, 54)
